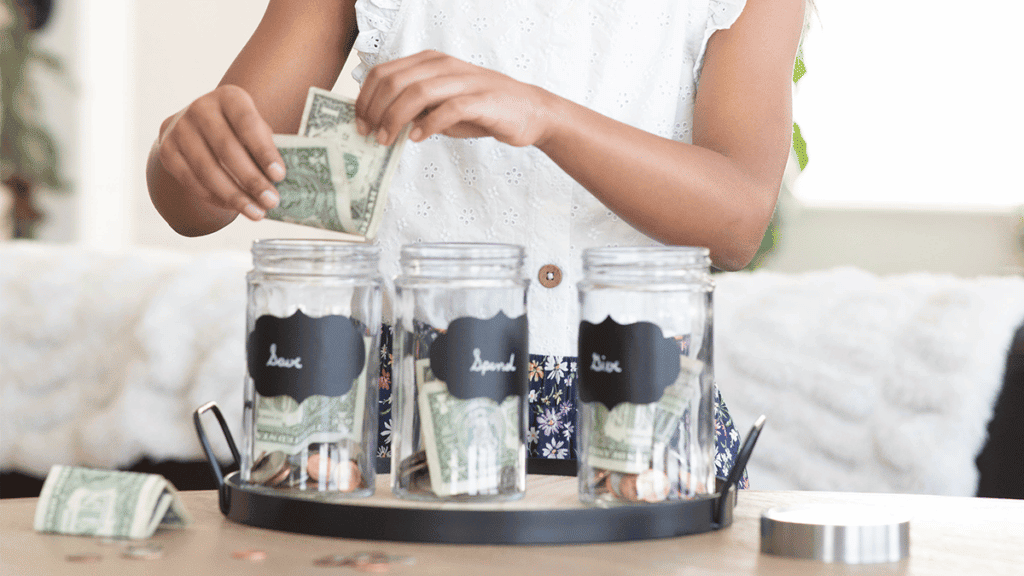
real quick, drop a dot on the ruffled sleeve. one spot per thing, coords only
(374, 18)
(720, 15)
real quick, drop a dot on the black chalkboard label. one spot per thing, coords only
(301, 356)
(482, 358)
(632, 363)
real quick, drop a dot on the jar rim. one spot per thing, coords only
(319, 246)
(648, 256)
(461, 250)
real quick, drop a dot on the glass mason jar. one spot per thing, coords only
(645, 375)
(460, 373)
(313, 332)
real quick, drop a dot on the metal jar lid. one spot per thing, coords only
(847, 534)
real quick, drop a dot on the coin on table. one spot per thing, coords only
(143, 552)
(333, 561)
(652, 486)
(371, 562)
(83, 558)
(252, 555)
(271, 470)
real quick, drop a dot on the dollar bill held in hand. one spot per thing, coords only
(360, 173)
(314, 191)
(87, 502)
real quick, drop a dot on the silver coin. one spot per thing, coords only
(143, 552)
(652, 486)
(271, 470)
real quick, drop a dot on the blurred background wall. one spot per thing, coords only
(910, 110)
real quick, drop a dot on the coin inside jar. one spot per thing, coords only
(623, 486)
(271, 470)
(652, 486)
(314, 464)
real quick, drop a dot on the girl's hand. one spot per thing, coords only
(440, 94)
(222, 151)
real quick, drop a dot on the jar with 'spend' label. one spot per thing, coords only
(645, 375)
(460, 373)
(313, 333)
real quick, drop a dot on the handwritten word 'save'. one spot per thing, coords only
(283, 362)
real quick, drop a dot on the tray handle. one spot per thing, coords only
(211, 458)
(742, 457)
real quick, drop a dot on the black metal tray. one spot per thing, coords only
(552, 516)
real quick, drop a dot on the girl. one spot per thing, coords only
(555, 124)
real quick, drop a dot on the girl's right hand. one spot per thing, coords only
(221, 150)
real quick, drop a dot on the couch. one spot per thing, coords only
(869, 383)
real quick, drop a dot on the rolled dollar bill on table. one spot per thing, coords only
(87, 502)
(336, 179)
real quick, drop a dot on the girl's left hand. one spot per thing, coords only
(440, 94)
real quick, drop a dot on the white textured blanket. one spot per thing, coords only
(874, 384)
(869, 383)
(105, 355)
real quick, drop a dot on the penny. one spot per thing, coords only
(271, 470)
(622, 485)
(143, 552)
(313, 464)
(652, 486)
(83, 558)
(599, 477)
(252, 555)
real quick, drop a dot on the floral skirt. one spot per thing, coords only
(552, 419)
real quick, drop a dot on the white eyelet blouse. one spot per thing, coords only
(635, 61)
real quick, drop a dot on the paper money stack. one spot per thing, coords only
(470, 447)
(313, 445)
(87, 502)
(649, 452)
(336, 179)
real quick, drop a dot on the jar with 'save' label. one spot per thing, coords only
(645, 375)
(459, 373)
(313, 333)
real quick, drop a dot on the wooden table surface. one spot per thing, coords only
(949, 536)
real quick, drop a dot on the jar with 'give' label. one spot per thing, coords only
(645, 375)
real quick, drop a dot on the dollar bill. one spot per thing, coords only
(468, 443)
(368, 165)
(626, 438)
(87, 502)
(284, 425)
(314, 191)
(621, 438)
